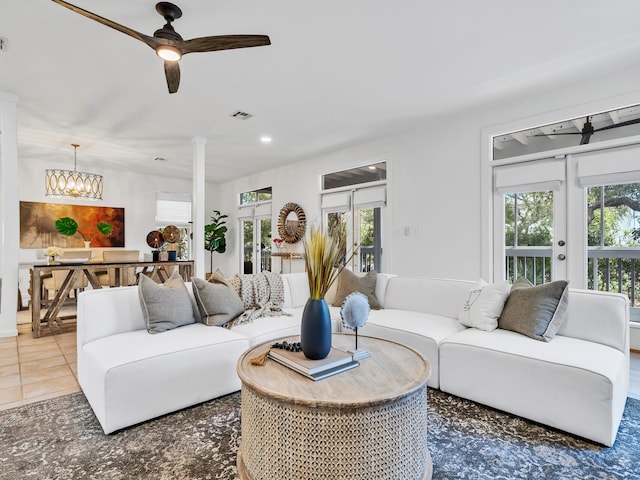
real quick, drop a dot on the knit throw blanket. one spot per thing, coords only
(262, 295)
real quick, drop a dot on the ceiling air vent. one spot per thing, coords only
(241, 115)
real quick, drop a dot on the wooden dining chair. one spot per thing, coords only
(109, 278)
(52, 279)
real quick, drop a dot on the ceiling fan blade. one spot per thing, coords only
(223, 42)
(621, 124)
(172, 72)
(105, 21)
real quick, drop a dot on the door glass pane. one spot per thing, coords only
(183, 245)
(247, 245)
(369, 241)
(337, 227)
(528, 238)
(265, 244)
(613, 239)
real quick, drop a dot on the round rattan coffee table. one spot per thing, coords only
(363, 424)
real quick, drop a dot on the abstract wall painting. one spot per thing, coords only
(38, 225)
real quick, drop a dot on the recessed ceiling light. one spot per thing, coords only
(372, 167)
(265, 139)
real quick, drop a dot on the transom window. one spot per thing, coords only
(254, 196)
(355, 176)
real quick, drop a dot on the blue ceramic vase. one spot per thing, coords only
(315, 330)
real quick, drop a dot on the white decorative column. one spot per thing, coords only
(198, 205)
(9, 215)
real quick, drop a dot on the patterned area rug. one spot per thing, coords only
(61, 439)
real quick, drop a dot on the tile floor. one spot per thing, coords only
(33, 369)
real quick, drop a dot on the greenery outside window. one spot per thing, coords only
(613, 232)
(255, 196)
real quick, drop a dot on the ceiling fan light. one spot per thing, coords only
(168, 53)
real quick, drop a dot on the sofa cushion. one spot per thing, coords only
(429, 295)
(165, 306)
(133, 376)
(484, 305)
(542, 381)
(217, 300)
(265, 329)
(349, 282)
(421, 331)
(537, 312)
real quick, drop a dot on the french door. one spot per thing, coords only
(255, 238)
(360, 230)
(575, 218)
(530, 215)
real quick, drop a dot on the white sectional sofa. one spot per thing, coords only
(130, 376)
(577, 382)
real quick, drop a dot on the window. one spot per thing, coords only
(254, 196)
(613, 234)
(354, 212)
(254, 216)
(355, 176)
(585, 130)
(175, 209)
(574, 216)
(528, 236)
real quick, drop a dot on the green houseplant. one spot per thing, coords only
(214, 235)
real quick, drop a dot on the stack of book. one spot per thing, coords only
(336, 362)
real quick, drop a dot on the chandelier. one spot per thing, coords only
(67, 183)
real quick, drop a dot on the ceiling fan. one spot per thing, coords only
(588, 130)
(168, 43)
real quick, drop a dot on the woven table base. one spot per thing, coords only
(298, 442)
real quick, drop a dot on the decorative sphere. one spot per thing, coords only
(355, 310)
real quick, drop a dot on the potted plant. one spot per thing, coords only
(322, 256)
(214, 235)
(68, 226)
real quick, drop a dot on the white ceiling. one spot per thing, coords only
(338, 72)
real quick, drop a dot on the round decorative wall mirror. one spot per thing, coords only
(291, 223)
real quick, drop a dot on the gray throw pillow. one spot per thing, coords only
(537, 312)
(165, 306)
(217, 300)
(349, 282)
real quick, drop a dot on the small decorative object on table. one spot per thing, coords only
(279, 243)
(155, 240)
(354, 313)
(322, 255)
(171, 234)
(53, 253)
(290, 355)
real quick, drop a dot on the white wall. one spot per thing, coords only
(422, 177)
(434, 178)
(134, 192)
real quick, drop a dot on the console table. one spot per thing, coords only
(156, 270)
(287, 256)
(363, 424)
